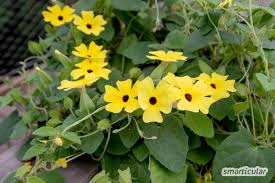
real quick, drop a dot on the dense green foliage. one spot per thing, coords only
(235, 40)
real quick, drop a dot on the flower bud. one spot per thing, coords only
(103, 124)
(58, 141)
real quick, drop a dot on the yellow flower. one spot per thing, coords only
(192, 96)
(90, 24)
(169, 56)
(154, 100)
(67, 85)
(218, 84)
(225, 2)
(174, 84)
(57, 16)
(91, 70)
(123, 97)
(60, 163)
(93, 52)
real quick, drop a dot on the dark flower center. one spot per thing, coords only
(125, 98)
(89, 55)
(89, 26)
(60, 18)
(188, 97)
(213, 86)
(153, 100)
(89, 71)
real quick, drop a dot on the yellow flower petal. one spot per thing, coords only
(131, 105)
(124, 86)
(114, 107)
(154, 100)
(218, 84)
(90, 24)
(169, 56)
(93, 52)
(111, 94)
(57, 16)
(152, 115)
(123, 97)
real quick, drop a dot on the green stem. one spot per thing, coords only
(141, 133)
(158, 17)
(83, 119)
(124, 127)
(80, 154)
(89, 134)
(105, 146)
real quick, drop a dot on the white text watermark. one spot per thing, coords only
(244, 171)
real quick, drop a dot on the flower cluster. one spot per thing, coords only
(185, 93)
(90, 69)
(87, 22)
(93, 66)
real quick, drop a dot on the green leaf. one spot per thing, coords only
(5, 100)
(68, 103)
(35, 150)
(91, 143)
(19, 130)
(129, 136)
(101, 177)
(175, 40)
(125, 176)
(141, 152)
(215, 141)
(266, 9)
(66, 61)
(22, 150)
(160, 174)
(34, 48)
(158, 72)
(194, 141)
(242, 90)
(108, 33)
(230, 37)
(126, 5)
(45, 131)
(191, 174)
(139, 170)
(86, 104)
(171, 146)
(199, 123)
(126, 41)
(71, 136)
(51, 177)
(21, 171)
(7, 126)
(116, 146)
(34, 179)
(222, 108)
(137, 51)
(201, 155)
(204, 67)
(239, 150)
(197, 40)
(240, 107)
(82, 5)
(268, 85)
